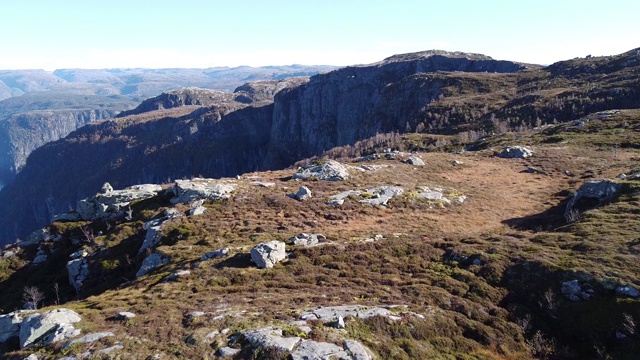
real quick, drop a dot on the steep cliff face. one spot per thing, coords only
(353, 103)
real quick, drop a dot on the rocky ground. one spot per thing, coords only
(524, 245)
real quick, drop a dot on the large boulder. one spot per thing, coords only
(78, 270)
(267, 254)
(49, 327)
(330, 170)
(9, 326)
(112, 204)
(151, 262)
(188, 191)
(302, 194)
(599, 191)
(515, 152)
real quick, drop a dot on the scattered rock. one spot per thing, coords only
(515, 152)
(110, 349)
(78, 270)
(337, 200)
(151, 262)
(124, 315)
(49, 327)
(263, 184)
(187, 191)
(178, 274)
(303, 193)
(626, 290)
(107, 188)
(331, 313)
(89, 338)
(572, 290)
(456, 162)
(199, 210)
(382, 194)
(331, 170)
(415, 161)
(267, 254)
(215, 254)
(227, 351)
(307, 240)
(8, 254)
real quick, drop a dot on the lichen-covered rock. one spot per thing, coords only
(151, 262)
(309, 349)
(330, 170)
(337, 200)
(187, 191)
(49, 327)
(266, 255)
(515, 152)
(78, 270)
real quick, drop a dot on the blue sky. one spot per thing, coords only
(200, 33)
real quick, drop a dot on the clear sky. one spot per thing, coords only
(51, 34)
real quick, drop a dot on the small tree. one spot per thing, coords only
(32, 297)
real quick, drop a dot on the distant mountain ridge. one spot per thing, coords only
(142, 83)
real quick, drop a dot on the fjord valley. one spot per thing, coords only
(437, 204)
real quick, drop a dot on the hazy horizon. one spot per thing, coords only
(204, 34)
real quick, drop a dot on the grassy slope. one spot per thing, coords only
(508, 307)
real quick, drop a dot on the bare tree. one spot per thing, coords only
(32, 297)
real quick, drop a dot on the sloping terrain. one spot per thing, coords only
(487, 263)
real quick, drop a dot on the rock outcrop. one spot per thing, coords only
(49, 327)
(330, 170)
(266, 255)
(78, 270)
(187, 191)
(599, 191)
(9, 326)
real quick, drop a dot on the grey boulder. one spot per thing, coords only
(415, 161)
(9, 326)
(267, 254)
(78, 270)
(307, 240)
